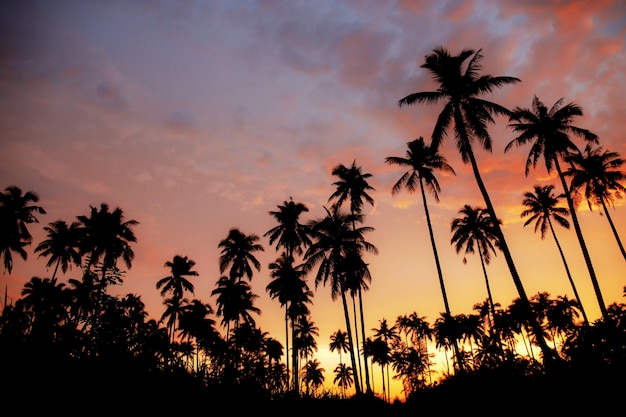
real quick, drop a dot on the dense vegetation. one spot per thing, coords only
(72, 346)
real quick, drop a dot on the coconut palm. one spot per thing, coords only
(313, 375)
(352, 186)
(289, 286)
(597, 171)
(461, 86)
(422, 161)
(343, 378)
(334, 239)
(549, 132)
(389, 336)
(289, 234)
(106, 236)
(176, 283)
(475, 232)
(541, 208)
(16, 212)
(235, 302)
(61, 247)
(237, 252)
(339, 342)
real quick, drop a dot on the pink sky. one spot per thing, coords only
(195, 117)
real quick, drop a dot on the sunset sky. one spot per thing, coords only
(195, 117)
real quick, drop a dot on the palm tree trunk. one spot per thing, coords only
(367, 375)
(581, 240)
(608, 217)
(439, 273)
(357, 385)
(569, 275)
(491, 304)
(548, 353)
(356, 338)
(287, 341)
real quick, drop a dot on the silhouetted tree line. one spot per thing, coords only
(73, 338)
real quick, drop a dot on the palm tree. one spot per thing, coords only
(352, 186)
(313, 375)
(177, 283)
(388, 335)
(461, 87)
(597, 170)
(476, 228)
(106, 236)
(541, 208)
(61, 246)
(339, 342)
(549, 132)
(343, 377)
(289, 286)
(237, 252)
(289, 234)
(16, 212)
(334, 241)
(235, 302)
(422, 161)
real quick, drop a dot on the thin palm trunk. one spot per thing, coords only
(357, 385)
(569, 275)
(548, 354)
(608, 217)
(455, 346)
(356, 338)
(367, 375)
(492, 307)
(581, 240)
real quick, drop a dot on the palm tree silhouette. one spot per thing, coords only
(293, 236)
(550, 130)
(541, 208)
(352, 186)
(61, 246)
(422, 161)
(237, 252)
(597, 171)
(289, 286)
(388, 335)
(461, 87)
(235, 302)
(16, 212)
(334, 239)
(343, 377)
(476, 228)
(176, 283)
(106, 236)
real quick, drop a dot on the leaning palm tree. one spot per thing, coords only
(352, 186)
(541, 208)
(16, 212)
(460, 87)
(61, 246)
(549, 132)
(476, 228)
(422, 161)
(237, 252)
(597, 171)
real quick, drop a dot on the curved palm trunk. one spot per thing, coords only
(357, 385)
(581, 240)
(455, 346)
(569, 275)
(608, 217)
(548, 353)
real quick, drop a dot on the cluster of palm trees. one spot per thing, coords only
(82, 320)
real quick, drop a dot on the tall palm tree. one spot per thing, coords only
(422, 161)
(541, 208)
(176, 283)
(549, 132)
(461, 86)
(476, 228)
(16, 212)
(289, 286)
(293, 236)
(597, 171)
(334, 239)
(61, 246)
(237, 252)
(388, 335)
(352, 186)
